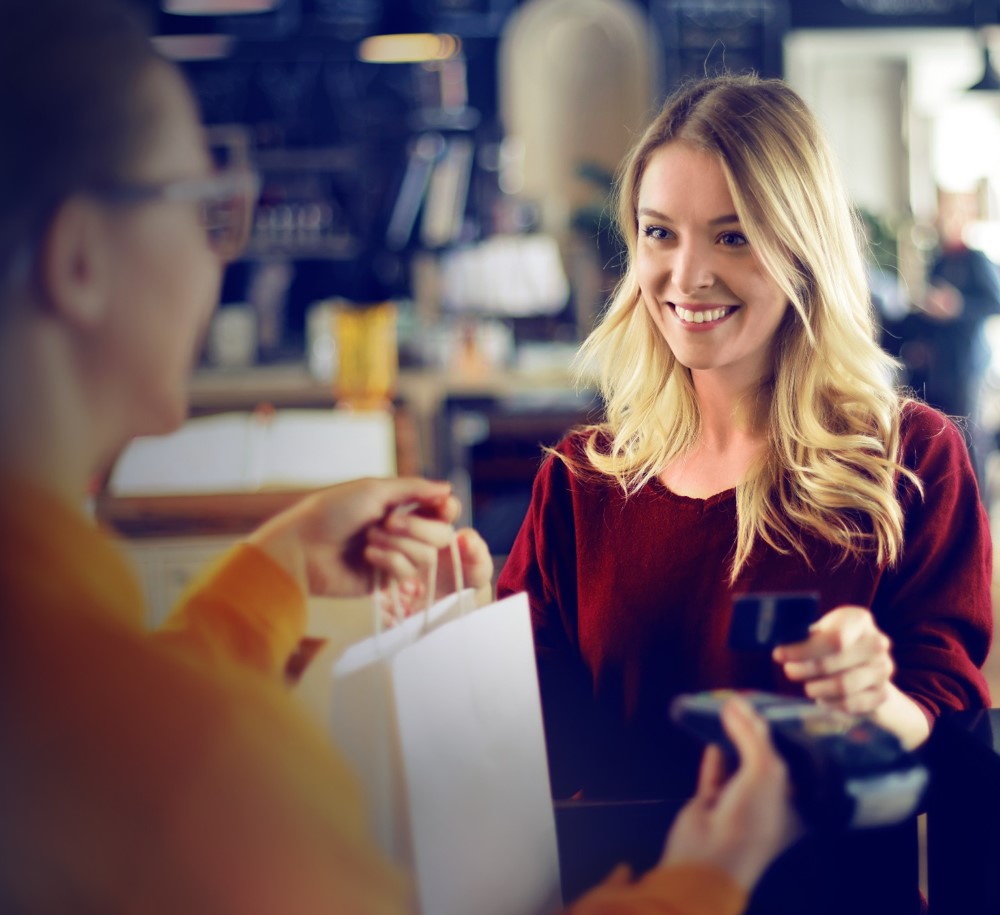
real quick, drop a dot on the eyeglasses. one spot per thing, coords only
(226, 201)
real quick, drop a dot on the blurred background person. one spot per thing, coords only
(942, 341)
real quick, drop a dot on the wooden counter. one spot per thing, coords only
(419, 398)
(290, 384)
(202, 515)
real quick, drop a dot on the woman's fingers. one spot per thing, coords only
(749, 734)
(865, 702)
(828, 653)
(415, 536)
(419, 539)
(477, 562)
(393, 563)
(712, 773)
(399, 600)
(846, 662)
(874, 674)
(410, 525)
(410, 545)
(841, 639)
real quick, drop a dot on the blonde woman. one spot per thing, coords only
(753, 442)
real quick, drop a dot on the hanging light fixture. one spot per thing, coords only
(402, 35)
(989, 81)
(408, 47)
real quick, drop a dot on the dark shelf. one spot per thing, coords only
(343, 247)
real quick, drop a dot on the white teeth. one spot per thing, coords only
(700, 317)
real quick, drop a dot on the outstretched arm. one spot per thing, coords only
(249, 607)
(723, 839)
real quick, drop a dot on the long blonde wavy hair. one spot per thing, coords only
(831, 411)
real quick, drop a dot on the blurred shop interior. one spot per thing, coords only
(432, 239)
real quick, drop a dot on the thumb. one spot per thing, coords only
(711, 774)
(477, 563)
(748, 732)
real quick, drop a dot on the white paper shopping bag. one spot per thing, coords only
(442, 720)
(473, 754)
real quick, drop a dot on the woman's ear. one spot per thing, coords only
(73, 266)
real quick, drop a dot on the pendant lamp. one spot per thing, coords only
(989, 81)
(405, 34)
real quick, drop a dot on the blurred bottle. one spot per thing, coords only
(321, 341)
(367, 356)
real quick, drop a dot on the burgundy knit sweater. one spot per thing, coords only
(630, 604)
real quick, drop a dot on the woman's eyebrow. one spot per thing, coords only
(715, 221)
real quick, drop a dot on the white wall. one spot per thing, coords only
(882, 96)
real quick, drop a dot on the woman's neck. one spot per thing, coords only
(48, 433)
(729, 412)
(731, 437)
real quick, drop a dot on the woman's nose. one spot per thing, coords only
(692, 269)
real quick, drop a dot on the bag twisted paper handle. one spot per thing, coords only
(398, 613)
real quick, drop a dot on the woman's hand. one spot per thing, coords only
(333, 540)
(742, 824)
(477, 566)
(406, 544)
(846, 663)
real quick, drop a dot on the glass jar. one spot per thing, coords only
(367, 356)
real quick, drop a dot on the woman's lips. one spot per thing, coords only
(704, 315)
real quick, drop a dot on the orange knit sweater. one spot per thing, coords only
(171, 771)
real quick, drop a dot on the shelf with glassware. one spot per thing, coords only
(307, 239)
(304, 208)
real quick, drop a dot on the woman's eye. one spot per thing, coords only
(733, 239)
(656, 232)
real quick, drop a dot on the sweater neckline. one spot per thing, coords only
(718, 498)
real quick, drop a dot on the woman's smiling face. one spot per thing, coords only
(706, 291)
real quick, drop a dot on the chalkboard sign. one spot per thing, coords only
(711, 36)
(856, 14)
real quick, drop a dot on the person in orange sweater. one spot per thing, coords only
(171, 771)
